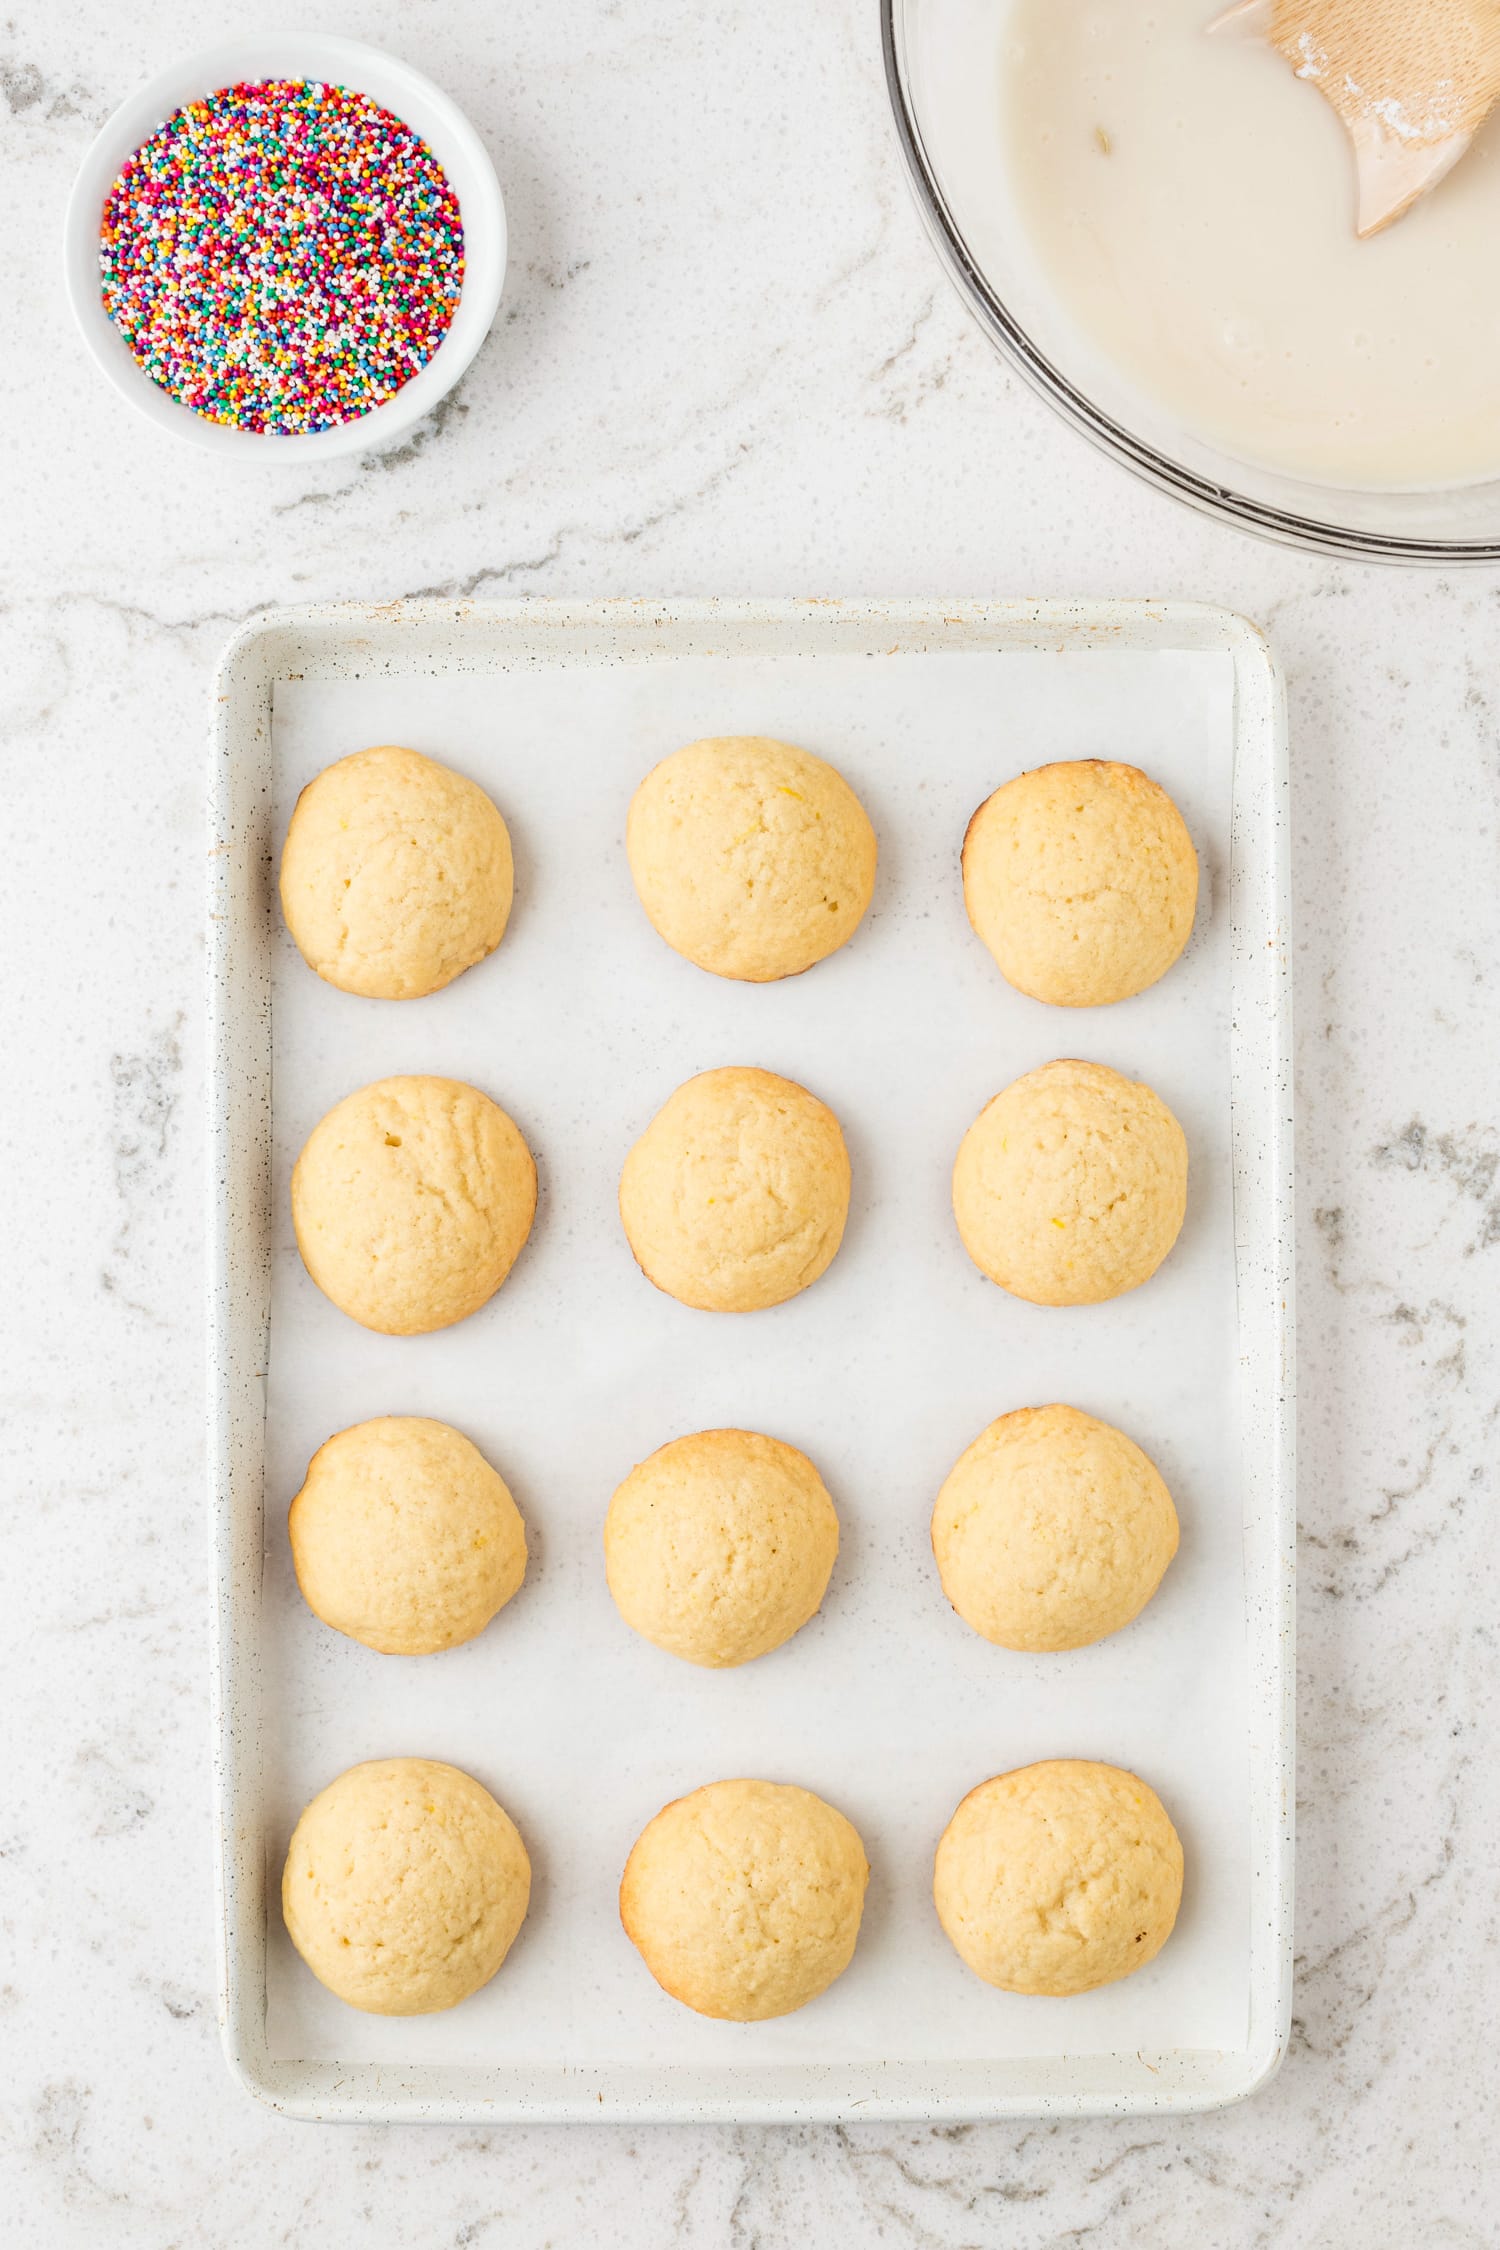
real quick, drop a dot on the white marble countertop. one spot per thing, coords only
(726, 363)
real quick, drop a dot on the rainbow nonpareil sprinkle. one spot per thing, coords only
(282, 256)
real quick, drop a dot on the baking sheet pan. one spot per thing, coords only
(581, 1025)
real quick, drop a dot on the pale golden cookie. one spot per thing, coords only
(1052, 1530)
(752, 858)
(719, 1547)
(404, 1886)
(735, 1196)
(1059, 1877)
(744, 1899)
(1071, 1186)
(404, 1537)
(1082, 880)
(411, 1202)
(396, 874)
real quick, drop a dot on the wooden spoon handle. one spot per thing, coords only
(1392, 168)
(1393, 173)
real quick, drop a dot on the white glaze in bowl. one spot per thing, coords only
(943, 68)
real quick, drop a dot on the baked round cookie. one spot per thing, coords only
(744, 1899)
(1082, 880)
(1058, 1877)
(719, 1547)
(411, 1201)
(1052, 1530)
(404, 1886)
(752, 858)
(735, 1196)
(396, 874)
(404, 1537)
(1071, 1186)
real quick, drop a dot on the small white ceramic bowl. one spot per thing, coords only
(342, 62)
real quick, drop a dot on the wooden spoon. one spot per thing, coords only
(1411, 80)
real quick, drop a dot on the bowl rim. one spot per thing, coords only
(296, 55)
(1111, 437)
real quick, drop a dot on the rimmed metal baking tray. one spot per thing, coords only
(581, 1024)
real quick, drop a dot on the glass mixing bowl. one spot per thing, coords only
(943, 64)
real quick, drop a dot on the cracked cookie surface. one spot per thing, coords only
(404, 1886)
(752, 858)
(1059, 1877)
(396, 874)
(744, 1899)
(1052, 1530)
(404, 1537)
(1070, 1187)
(411, 1201)
(719, 1546)
(1082, 880)
(735, 1196)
